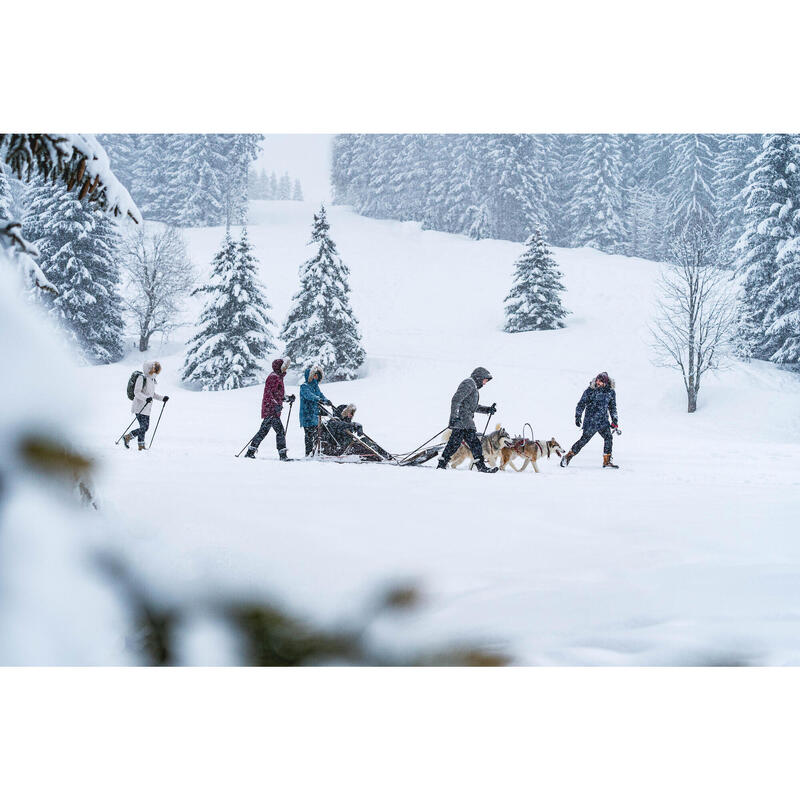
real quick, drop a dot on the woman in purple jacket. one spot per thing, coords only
(271, 406)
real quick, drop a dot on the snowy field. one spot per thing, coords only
(688, 554)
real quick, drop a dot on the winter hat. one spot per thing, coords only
(277, 364)
(479, 373)
(350, 408)
(315, 368)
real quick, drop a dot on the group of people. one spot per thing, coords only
(312, 404)
(596, 412)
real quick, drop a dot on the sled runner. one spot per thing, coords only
(339, 442)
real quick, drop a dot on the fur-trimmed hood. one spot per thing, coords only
(593, 382)
(309, 371)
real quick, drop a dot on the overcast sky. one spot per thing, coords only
(302, 155)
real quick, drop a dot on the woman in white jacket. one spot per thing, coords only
(144, 392)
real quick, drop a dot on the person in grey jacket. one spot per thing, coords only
(144, 392)
(462, 419)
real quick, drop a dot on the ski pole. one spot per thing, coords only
(289, 415)
(163, 405)
(132, 421)
(126, 430)
(245, 445)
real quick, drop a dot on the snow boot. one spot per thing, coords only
(481, 467)
(282, 455)
(607, 462)
(442, 464)
(251, 452)
(126, 440)
(141, 446)
(567, 458)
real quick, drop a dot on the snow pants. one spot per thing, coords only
(608, 439)
(311, 439)
(469, 437)
(270, 423)
(144, 424)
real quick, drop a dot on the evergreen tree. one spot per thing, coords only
(234, 338)
(273, 187)
(6, 200)
(772, 224)
(736, 153)
(534, 302)
(298, 191)
(284, 187)
(596, 208)
(77, 245)
(690, 184)
(321, 327)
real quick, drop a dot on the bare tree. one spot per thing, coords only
(695, 320)
(159, 275)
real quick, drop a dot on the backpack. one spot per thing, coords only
(132, 383)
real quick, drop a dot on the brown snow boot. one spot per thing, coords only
(567, 458)
(607, 462)
(141, 446)
(126, 440)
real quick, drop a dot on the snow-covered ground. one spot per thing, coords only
(688, 554)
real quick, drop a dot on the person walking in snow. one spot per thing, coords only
(462, 419)
(271, 407)
(144, 392)
(310, 397)
(597, 404)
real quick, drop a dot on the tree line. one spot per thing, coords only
(634, 195)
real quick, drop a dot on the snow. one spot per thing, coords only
(688, 554)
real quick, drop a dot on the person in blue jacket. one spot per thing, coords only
(310, 396)
(597, 404)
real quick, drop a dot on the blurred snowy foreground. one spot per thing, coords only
(688, 554)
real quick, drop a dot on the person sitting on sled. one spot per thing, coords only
(599, 401)
(342, 420)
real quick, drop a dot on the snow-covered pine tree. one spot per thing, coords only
(273, 187)
(534, 302)
(200, 195)
(321, 327)
(229, 349)
(690, 183)
(297, 194)
(77, 244)
(783, 314)
(772, 200)
(6, 200)
(736, 153)
(595, 212)
(284, 187)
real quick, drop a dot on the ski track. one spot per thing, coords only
(686, 555)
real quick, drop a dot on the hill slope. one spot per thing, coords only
(687, 554)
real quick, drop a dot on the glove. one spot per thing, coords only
(149, 400)
(493, 408)
(166, 397)
(578, 421)
(289, 398)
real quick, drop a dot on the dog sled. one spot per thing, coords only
(343, 441)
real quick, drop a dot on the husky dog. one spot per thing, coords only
(491, 444)
(528, 450)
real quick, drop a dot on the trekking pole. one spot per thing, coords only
(163, 406)
(289, 415)
(126, 430)
(487, 424)
(245, 445)
(132, 421)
